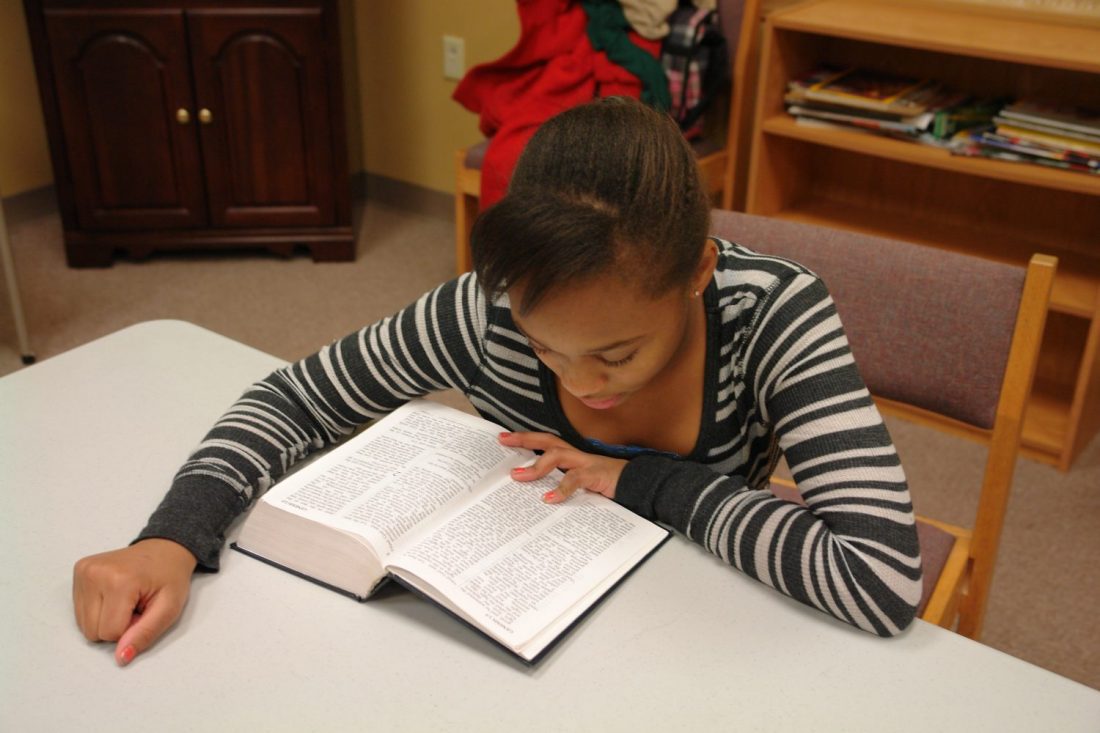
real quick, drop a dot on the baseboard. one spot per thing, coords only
(404, 195)
(369, 186)
(30, 205)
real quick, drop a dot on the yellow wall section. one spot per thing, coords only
(24, 154)
(411, 126)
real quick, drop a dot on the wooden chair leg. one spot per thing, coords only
(971, 616)
(466, 208)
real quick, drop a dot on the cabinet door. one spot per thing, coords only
(122, 78)
(260, 85)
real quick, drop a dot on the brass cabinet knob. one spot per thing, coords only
(205, 117)
(183, 116)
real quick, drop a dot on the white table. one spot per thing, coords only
(88, 443)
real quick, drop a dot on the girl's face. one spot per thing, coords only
(604, 339)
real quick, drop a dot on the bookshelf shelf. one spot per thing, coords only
(975, 32)
(994, 209)
(860, 142)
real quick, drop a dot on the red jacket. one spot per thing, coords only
(552, 67)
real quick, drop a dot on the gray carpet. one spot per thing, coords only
(1047, 587)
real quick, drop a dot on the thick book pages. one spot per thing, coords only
(426, 496)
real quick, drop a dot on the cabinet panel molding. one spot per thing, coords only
(121, 78)
(265, 148)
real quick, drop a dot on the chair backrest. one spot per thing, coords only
(928, 328)
(946, 333)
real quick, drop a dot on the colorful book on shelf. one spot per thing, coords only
(1047, 129)
(947, 113)
(1074, 145)
(906, 125)
(815, 76)
(1051, 114)
(1003, 142)
(875, 90)
(984, 144)
(923, 138)
(1006, 155)
(794, 99)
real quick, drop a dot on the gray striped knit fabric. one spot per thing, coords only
(780, 377)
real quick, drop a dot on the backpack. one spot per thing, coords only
(696, 61)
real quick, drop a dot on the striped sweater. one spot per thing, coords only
(779, 377)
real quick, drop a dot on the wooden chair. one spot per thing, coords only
(946, 339)
(713, 156)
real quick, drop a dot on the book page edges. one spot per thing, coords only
(329, 556)
(316, 581)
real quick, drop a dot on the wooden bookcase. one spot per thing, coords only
(995, 209)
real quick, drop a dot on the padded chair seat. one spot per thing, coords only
(475, 154)
(935, 545)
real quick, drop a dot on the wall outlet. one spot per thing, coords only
(454, 57)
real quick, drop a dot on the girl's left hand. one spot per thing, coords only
(598, 474)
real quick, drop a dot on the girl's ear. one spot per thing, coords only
(704, 271)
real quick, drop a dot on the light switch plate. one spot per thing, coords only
(454, 57)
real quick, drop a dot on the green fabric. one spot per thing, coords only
(607, 28)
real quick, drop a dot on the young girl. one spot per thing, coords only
(653, 365)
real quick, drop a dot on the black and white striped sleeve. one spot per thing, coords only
(852, 550)
(434, 344)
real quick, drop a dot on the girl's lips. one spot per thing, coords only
(605, 404)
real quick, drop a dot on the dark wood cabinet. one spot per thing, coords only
(189, 125)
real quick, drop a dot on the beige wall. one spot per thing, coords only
(402, 122)
(411, 126)
(24, 155)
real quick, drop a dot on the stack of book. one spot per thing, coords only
(888, 104)
(1034, 131)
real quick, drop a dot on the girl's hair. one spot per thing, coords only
(610, 186)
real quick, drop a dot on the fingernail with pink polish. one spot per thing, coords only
(127, 655)
(519, 469)
(550, 496)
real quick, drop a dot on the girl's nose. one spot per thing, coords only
(582, 380)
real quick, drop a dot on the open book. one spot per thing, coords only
(425, 496)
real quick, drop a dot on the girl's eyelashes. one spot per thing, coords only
(540, 351)
(621, 362)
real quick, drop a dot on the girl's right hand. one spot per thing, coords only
(133, 595)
